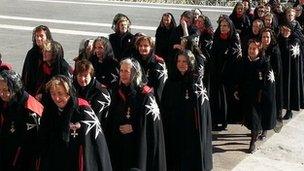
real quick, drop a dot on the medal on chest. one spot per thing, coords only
(260, 76)
(73, 129)
(187, 95)
(13, 129)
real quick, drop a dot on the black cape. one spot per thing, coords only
(144, 148)
(122, 44)
(98, 97)
(187, 122)
(257, 95)
(64, 149)
(19, 133)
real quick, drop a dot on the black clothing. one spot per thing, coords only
(155, 71)
(30, 70)
(18, 133)
(292, 69)
(257, 94)
(65, 148)
(243, 26)
(98, 97)
(162, 43)
(143, 148)
(225, 66)
(107, 71)
(187, 122)
(122, 44)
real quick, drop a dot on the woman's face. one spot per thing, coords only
(266, 38)
(239, 10)
(123, 26)
(256, 27)
(99, 49)
(224, 27)
(40, 38)
(84, 78)
(182, 64)
(253, 51)
(5, 94)
(144, 48)
(59, 95)
(200, 24)
(246, 5)
(290, 16)
(47, 56)
(167, 20)
(268, 21)
(285, 32)
(125, 74)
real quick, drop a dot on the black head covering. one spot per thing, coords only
(13, 81)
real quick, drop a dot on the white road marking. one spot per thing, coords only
(71, 22)
(131, 5)
(55, 30)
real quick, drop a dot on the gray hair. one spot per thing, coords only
(136, 72)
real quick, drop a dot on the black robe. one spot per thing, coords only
(257, 95)
(107, 71)
(144, 148)
(292, 56)
(155, 71)
(62, 148)
(273, 54)
(30, 69)
(19, 122)
(242, 25)
(225, 66)
(187, 122)
(162, 43)
(122, 44)
(98, 97)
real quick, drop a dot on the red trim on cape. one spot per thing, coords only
(146, 89)
(34, 105)
(6, 66)
(80, 159)
(82, 102)
(159, 59)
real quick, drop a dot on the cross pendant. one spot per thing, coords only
(74, 133)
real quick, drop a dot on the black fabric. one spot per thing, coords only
(155, 71)
(144, 147)
(30, 69)
(122, 44)
(162, 43)
(97, 96)
(225, 66)
(292, 69)
(107, 71)
(18, 145)
(257, 94)
(187, 122)
(273, 54)
(60, 150)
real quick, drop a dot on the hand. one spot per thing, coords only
(178, 46)
(126, 129)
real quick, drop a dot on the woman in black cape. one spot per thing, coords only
(20, 114)
(186, 116)
(104, 62)
(88, 88)
(71, 137)
(33, 59)
(225, 64)
(134, 128)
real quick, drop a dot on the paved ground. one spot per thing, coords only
(280, 151)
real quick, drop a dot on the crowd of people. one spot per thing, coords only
(134, 103)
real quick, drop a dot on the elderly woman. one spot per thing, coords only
(20, 113)
(186, 116)
(134, 128)
(122, 39)
(71, 135)
(88, 88)
(104, 62)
